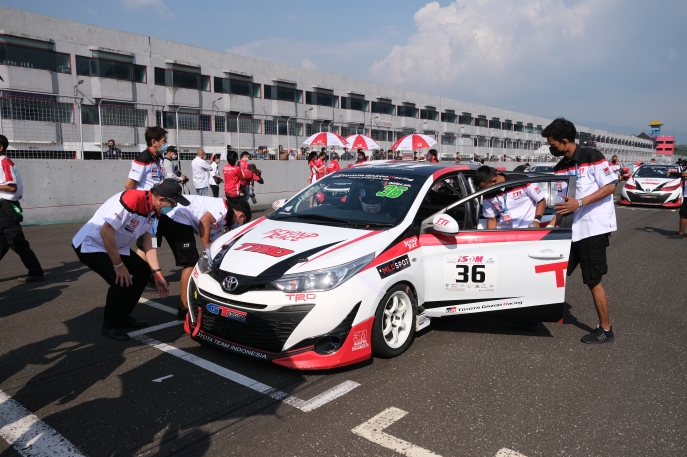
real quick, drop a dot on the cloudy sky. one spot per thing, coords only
(611, 64)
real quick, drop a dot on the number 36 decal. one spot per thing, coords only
(478, 275)
(470, 273)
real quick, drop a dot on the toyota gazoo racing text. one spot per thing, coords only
(657, 185)
(357, 262)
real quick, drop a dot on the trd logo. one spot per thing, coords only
(301, 297)
(443, 222)
(266, 249)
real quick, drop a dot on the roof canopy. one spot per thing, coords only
(655, 122)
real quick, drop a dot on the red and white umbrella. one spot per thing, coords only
(361, 142)
(413, 142)
(326, 139)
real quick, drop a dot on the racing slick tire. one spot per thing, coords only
(394, 326)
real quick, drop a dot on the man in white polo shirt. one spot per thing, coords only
(103, 245)
(593, 214)
(201, 177)
(206, 217)
(517, 207)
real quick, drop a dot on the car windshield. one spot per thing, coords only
(360, 200)
(542, 169)
(652, 172)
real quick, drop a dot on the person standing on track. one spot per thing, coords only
(235, 179)
(215, 176)
(206, 217)
(103, 242)
(170, 168)
(682, 166)
(593, 215)
(200, 170)
(11, 216)
(312, 159)
(616, 167)
(333, 164)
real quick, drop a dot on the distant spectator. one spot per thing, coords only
(283, 155)
(458, 157)
(346, 155)
(432, 156)
(292, 155)
(112, 152)
(171, 168)
(235, 179)
(11, 216)
(653, 160)
(312, 166)
(333, 165)
(361, 157)
(200, 169)
(525, 167)
(215, 176)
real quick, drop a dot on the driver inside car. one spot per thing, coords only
(522, 206)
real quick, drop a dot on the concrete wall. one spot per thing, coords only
(58, 191)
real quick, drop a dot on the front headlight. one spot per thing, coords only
(321, 280)
(205, 265)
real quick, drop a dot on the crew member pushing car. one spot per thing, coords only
(520, 207)
(103, 245)
(593, 214)
(206, 217)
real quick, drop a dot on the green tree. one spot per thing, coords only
(681, 149)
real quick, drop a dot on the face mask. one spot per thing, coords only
(174, 157)
(166, 209)
(163, 148)
(614, 161)
(235, 225)
(555, 152)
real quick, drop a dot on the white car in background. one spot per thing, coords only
(651, 184)
(353, 265)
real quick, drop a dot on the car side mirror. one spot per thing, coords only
(444, 223)
(279, 203)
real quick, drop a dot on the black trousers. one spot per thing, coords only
(215, 190)
(12, 237)
(120, 301)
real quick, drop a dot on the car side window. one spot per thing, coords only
(443, 193)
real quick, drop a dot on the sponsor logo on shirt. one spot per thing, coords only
(132, 225)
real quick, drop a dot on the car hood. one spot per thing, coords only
(652, 183)
(274, 248)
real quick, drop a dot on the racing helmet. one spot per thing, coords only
(371, 203)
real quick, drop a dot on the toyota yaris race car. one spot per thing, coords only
(359, 261)
(658, 185)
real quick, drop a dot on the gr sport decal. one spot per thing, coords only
(393, 266)
(288, 235)
(266, 249)
(457, 309)
(475, 273)
(360, 340)
(227, 312)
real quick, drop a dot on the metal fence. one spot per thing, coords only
(45, 126)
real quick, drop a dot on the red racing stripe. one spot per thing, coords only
(497, 236)
(404, 247)
(248, 227)
(447, 170)
(343, 245)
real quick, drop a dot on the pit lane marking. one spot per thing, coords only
(30, 436)
(373, 430)
(304, 405)
(163, 378)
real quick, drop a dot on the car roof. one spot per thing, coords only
(412, 168)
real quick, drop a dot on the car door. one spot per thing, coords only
(479, 270)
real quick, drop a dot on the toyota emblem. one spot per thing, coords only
(230, 283)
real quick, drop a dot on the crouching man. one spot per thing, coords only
(103, 245)
(206, 217)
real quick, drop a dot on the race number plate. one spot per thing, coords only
(475, 273)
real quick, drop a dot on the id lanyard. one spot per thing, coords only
(503, 204)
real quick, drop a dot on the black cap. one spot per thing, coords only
(171, 189)
(171, 149)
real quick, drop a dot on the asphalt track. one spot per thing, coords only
(465, 387)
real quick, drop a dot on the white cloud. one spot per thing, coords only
(158, 6)
(308, 64)
(492, 45)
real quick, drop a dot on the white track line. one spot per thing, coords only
(30, 436)
(373, 430)
(157, 305)
(304, 405)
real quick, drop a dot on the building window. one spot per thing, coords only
(450, 117)
(102, 68)
(429, 114)
(27, 53)
(379, 135)
(481, 121)
(352, 130)
(518, 127)
(188, 120)
(506, 125)
(286, 94)
(90, 115)
(465, 119)
(383, 108)
(181, 79)
(448, 139)
(529, 128)
(247, 124)
(357, 104)
(237, 87)
(123, 114)
(321, 99)
(495, 123)
(407, 111)
(538, 130)
(40, 108)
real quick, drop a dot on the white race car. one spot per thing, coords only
(657, 185)
(357, 262)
